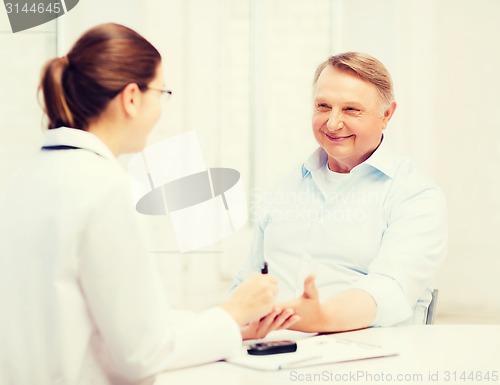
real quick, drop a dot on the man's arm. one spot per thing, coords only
(413, 247)
(349, 310)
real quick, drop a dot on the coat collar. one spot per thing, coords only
(64, 136)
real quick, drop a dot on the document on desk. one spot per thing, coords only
(314, 350)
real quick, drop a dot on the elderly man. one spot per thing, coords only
(356, 234)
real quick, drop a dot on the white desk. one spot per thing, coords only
(438, 354)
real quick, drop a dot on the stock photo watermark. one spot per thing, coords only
(310, 207)
(204, 204)
(26, 14)
(365, 376)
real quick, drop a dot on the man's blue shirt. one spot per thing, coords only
(381, 228)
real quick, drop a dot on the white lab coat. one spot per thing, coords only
(82, 302)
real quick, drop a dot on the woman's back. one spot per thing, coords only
(82, 301)
(42, 225)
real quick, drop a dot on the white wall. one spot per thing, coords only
(22, 55)
(241, 72)
(467, 126)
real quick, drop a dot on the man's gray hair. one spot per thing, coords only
(366, 67)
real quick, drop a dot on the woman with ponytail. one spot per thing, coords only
(82, 302)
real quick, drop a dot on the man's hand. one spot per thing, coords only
(307, 307)
(277, 319)
(349, 310)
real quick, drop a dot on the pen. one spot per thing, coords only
(264, 269)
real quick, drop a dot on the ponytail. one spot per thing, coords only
(77, 88)
(54, 97)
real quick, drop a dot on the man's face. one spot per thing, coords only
(348, 118)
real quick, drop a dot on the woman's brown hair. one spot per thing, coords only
(77, 87)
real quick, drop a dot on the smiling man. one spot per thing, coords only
(355, 235)
(349, 115)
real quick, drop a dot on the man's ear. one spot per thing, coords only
(388, 112)
(130, 99)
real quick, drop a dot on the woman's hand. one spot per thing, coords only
(253, 299)
(277, 319)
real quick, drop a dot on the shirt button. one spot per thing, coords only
(306, 257)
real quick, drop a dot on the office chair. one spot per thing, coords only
(429, 318)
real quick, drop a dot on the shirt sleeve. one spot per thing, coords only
(126, 299)
(255, 259)
(413, 247)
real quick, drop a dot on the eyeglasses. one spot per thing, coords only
(165, 94)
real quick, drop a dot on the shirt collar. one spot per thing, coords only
(382, 159)
(64, 136)
(315, 161)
